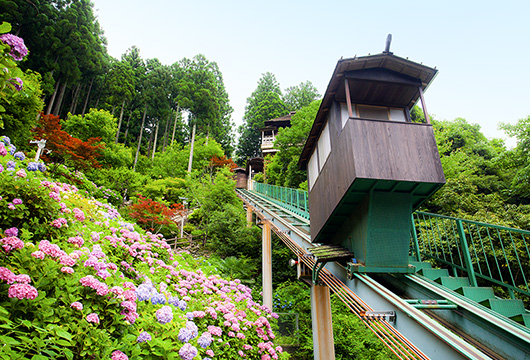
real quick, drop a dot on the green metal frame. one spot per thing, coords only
(486, 254)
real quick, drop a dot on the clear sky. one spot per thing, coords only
(481, 48)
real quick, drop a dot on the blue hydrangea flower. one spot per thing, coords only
(189, 315)
(173, 300)
(157, 298)
(182, 305)
(143, 337)
(6, 140)
(42, 167)
(188, 352)
(11, 165)
(19, 155)
(33, 166)
(12, 149)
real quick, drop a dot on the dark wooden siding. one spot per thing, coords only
(371, 149)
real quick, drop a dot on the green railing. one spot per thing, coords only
(296, 200)
(484, 253)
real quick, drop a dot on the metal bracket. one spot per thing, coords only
(316, 270)
(389, 316)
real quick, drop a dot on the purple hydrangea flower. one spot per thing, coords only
(164, 314)
(190, 325)
(173, 300)
(12, 149)
(11, 165)
(182, 305)
(18, 48)
(42, 167)
(205, 340)
(11, 232)
(19, 155)
(143, 292)
(187, 351)
(17, 83)
(143, 337)
(185, 335)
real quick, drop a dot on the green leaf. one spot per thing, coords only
(64, 334)
(5, 27)
(69, 354)
(39, 357)
(63, 342)
(9, 340)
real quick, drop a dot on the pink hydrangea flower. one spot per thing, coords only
(17, 201)
(67, 270)
(3, 150)
(22, 279)
(79, 214)
(77, 305)
(76, 240)
(118, 355)
(22, 291)
(11, 243)
(38, 254)
(60, 222)
(7, 275)
(93, 318)
(21, 173)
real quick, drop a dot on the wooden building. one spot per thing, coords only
(368, 165)
(270, 130)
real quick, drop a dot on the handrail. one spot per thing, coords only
(296, 200)
(485, 253)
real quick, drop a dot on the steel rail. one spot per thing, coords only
(391, 337)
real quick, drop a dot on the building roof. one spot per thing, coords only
(282, 121)
(381, 79)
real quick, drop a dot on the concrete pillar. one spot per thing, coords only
(267, 264)
(249, 216)
(323, 344)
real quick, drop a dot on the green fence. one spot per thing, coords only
(296, 200)
(484, 253)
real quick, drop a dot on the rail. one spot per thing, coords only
(296, 200)
(483, 252)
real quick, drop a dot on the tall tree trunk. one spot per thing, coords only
(75, 92)
(149, 144)
(77, 98)
(87, 96)
(156, 139)
(165, 133)
(59, 102)
(52, 100)
(127, 129)
(140, 138)
(191, 148)
(175, 125)
(119, 122)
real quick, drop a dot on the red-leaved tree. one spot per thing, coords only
(65, 148)
(152, 215)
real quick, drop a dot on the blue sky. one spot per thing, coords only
(481, 48)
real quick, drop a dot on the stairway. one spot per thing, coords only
(510, 308)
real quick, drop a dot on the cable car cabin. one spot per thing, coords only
(368, 165)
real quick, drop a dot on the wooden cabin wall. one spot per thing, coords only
(371, 149)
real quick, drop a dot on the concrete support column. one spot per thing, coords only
(267, 264)
(249, 216)
(323, 344)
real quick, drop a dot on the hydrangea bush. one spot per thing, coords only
(77, 281)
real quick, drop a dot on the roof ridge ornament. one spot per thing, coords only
(387, 46)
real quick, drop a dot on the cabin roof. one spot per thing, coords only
(282, 121)
(381, 79)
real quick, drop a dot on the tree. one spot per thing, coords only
(121, 83)
(97, 123)
(265, 103)
(82, 155)
(299, 96)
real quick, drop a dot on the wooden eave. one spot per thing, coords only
(369, 85)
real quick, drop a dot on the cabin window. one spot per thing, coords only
(324, 146)
(344, 115)
(397, 114)
(373, 112)
(312, 168)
